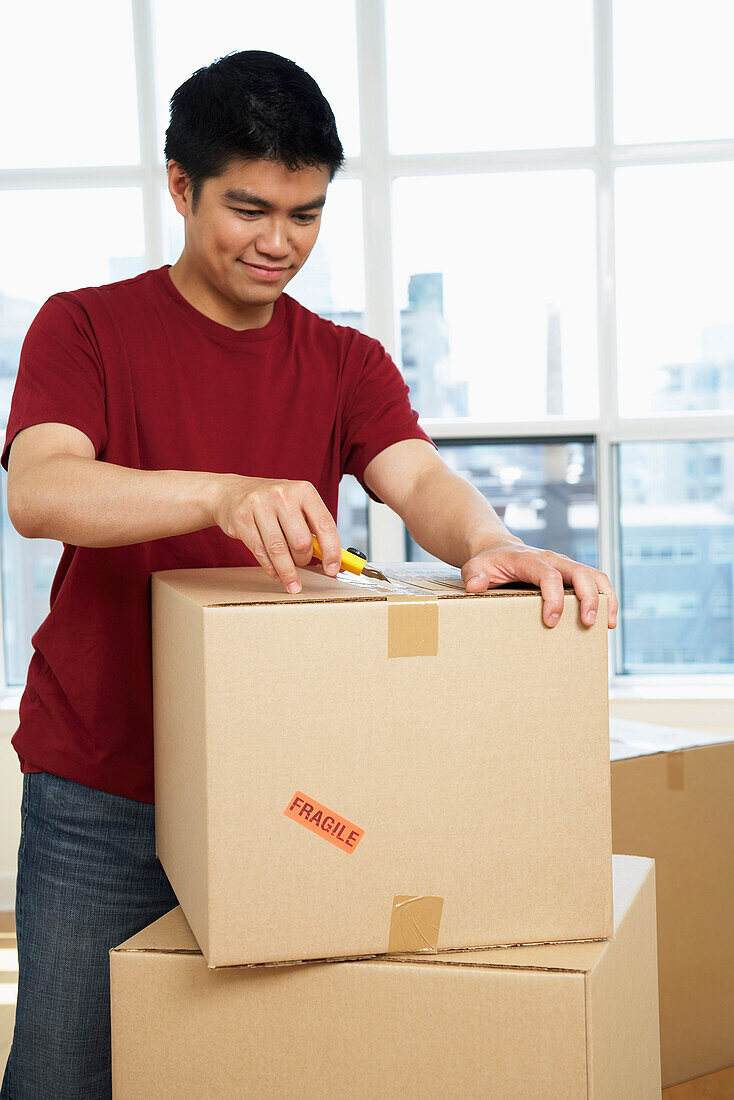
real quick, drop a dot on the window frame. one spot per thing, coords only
(377, 169)
(380, 169)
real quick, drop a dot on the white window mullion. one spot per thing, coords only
(615, 550)
(58, 179)
(386, 530)
(148, 131)
(606, 311)
(377, 222)
(468, 430)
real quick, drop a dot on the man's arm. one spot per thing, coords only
(58, 489)
(451, 519)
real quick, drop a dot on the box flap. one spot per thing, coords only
(169, 934)
(629, 739)
(251, 585)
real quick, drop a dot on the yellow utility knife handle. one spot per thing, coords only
(350, 562)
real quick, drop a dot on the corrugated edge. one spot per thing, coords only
(207, 743)
(377, 597)
(293, 962)
(525, 943)
(388, 960)
(587, 1028)
(404, 960)
(401, 958)
(176, 595)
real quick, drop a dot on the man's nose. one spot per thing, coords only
(273, 241)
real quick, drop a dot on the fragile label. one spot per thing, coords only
(337, 830)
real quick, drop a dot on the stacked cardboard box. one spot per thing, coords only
(564, 1020)
(345, 768)
(672, 799)
(364, 769)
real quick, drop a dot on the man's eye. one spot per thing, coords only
(306, 218)
(253, 212)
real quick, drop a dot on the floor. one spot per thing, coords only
(717, 1086)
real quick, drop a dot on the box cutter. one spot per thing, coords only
(354, 561)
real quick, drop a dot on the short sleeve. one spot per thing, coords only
(378, 412)
(60, 375)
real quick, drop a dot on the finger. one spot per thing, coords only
(298, 535)
(322, 525)
(277, 549)
(605, 585)
(550, 583)
(532, 568)
(588, 583)
(584, 583)
(251, 538)
(474, 578)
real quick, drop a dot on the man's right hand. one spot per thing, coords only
(277, 520)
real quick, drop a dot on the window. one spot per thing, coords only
(34, 224)
(67, 83)
(534, 219)
(500, 326)
(677, 557)
(498, 86)
(28, 568)
(675, 286)
(673, 78)
(545, 493)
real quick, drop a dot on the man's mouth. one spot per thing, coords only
(262, 267)
(259, 271)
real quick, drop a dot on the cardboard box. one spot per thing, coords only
(564, 1020)
(357, 769)
(673, 798)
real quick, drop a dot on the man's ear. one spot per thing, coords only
(178, 188)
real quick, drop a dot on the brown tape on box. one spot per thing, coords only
(415, 922)
(412, 626)
(676, 771)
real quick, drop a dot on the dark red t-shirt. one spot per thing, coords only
(156, 385)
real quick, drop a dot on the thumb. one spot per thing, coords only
(474, 577)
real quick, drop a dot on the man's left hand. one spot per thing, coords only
(513, 561)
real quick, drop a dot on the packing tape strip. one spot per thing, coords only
(415, 922)
(412, 626)
(676, 770)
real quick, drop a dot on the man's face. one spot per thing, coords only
(253, 228)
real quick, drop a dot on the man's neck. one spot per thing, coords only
(206, 300)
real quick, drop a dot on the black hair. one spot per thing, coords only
(251, 105)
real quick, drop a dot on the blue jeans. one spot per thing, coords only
(88, 878)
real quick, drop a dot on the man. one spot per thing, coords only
(191, 416)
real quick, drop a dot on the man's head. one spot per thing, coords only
(248, 106)
(251, 148)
